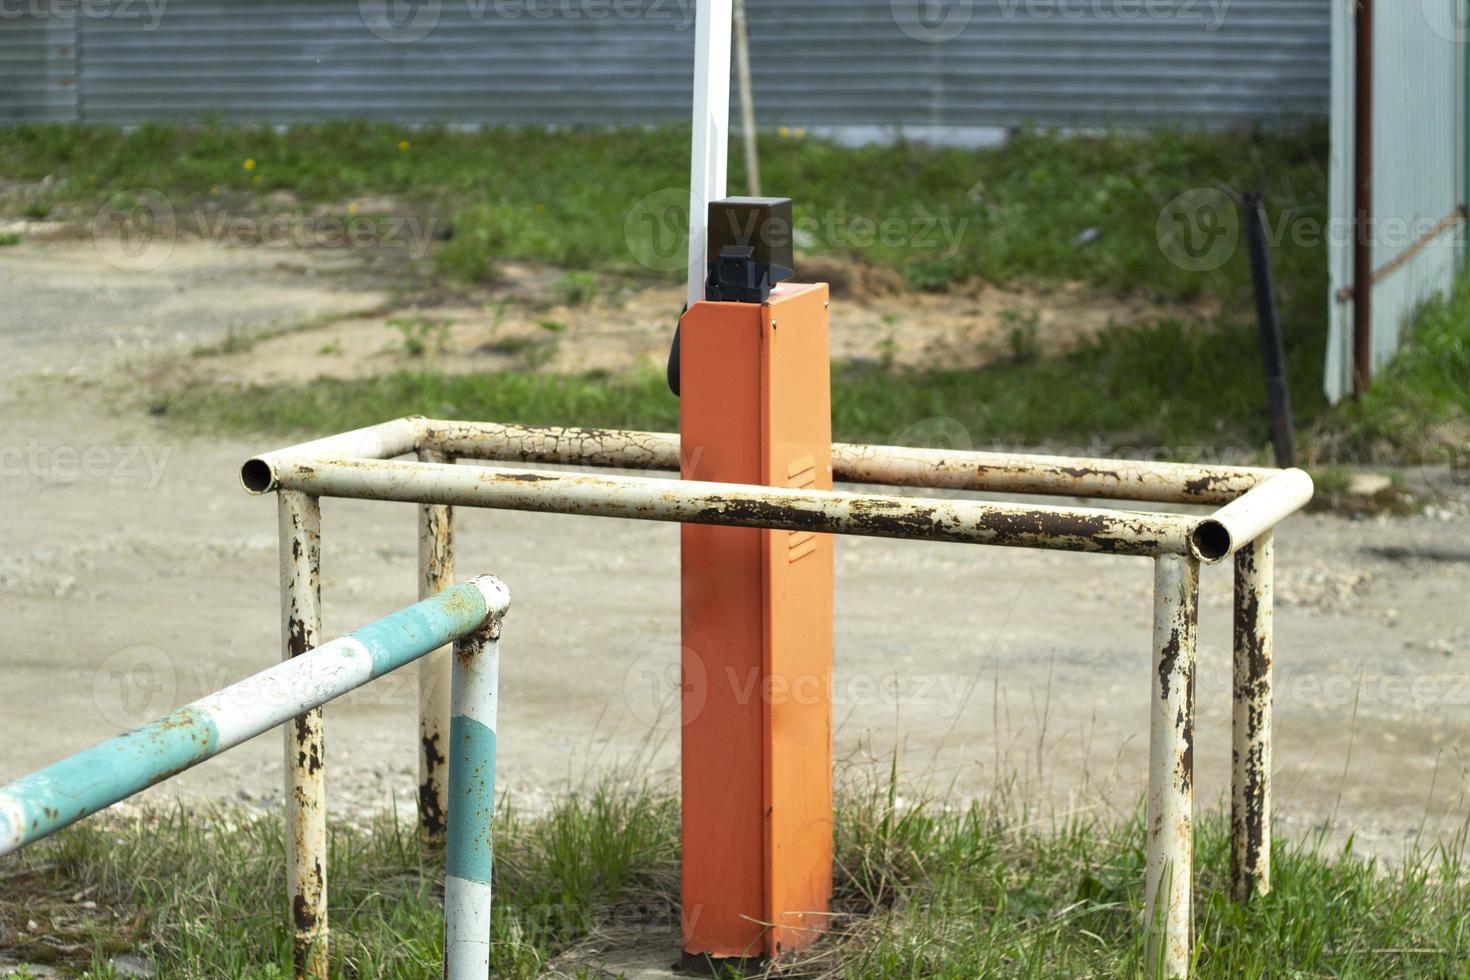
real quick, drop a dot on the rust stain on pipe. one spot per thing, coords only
(306, 834)
(642, 498)
(436, 573)
(1168, 885)
(1250, 801)
(884, 465)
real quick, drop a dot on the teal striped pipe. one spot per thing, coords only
(43, 802)
(475, 678)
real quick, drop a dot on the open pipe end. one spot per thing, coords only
(257, 476)
(1210, 541)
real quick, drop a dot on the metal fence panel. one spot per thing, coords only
(962, 64)
(38, 80)
(1419, 171)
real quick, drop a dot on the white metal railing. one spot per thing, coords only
(1248, 502)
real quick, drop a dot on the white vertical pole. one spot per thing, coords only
(436, 573)
(711, 129)
(747, 105)
(1169, 874)
(306, 810)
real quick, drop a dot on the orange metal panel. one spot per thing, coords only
(757, 632)
(797, 450)
(721, 774)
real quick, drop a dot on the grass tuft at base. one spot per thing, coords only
(921, 889)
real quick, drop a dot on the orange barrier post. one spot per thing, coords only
(755, 407)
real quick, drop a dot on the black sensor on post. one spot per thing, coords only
(748, 248)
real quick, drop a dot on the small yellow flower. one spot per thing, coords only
(799, 132)
(403, 146)
(352, 207)
(249, 163)
(783, 132)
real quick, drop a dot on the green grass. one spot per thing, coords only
(1165, 386)
(597, 198)
(596, 201)
(1420, 406)
(921, 890)
(1167, 389)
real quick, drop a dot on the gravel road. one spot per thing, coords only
(135, 575)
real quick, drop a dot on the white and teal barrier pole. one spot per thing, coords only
(468, 615)
(475, 678)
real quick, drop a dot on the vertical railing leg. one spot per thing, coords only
(1168, 886)
(436, 573)
(476, 677)
(306, 818)
(1250, 797)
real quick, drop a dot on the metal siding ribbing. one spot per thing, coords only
(1046, 62)
(817, 63)
(296, 62)
(1417, 165)
(37, 67)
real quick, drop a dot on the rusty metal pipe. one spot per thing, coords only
(436, 573)
(1116, 479)
(741, 505)
(1113, 479)
(1169, 853)
(396, 437)
(1246, 518)
(306, 812)
(1250, 795)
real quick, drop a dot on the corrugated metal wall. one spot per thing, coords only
(38, 80)
(816, 63)
(1418, 166)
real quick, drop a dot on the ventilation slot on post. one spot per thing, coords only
(802, 473)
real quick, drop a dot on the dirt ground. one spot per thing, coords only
(135, 575)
